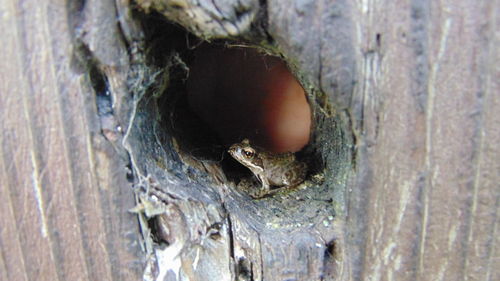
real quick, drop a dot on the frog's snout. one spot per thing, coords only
(232, 150)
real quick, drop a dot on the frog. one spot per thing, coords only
(281, 170)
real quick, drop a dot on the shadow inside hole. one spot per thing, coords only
(181, 153)
(224, 95)
(159, 230)
(189, 125)
(171, 49)
(218, 95)
(331, 260)
(244, 269)
(241, 93)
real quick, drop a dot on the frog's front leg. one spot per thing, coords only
(265, 184)
(252, 188)
(264, 190)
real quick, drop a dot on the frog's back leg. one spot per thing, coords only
(296, 175)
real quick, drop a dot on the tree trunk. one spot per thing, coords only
(64, 186)
(100, 174)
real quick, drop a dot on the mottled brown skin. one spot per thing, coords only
(272, 169)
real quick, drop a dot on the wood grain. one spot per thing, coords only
(416, 81)
(64, 213)
(425, 96)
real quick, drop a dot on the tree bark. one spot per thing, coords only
(406, 101)
(64, 186)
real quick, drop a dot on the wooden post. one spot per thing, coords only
(406, 101)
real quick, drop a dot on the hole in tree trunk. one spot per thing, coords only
(204, 97)
(196, 98)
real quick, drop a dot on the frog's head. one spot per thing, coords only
(246, 155)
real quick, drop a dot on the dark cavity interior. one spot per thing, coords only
(239, 92)
(221, 92)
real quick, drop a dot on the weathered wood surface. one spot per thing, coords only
(63, 186)
(420, 83)
(426, 199)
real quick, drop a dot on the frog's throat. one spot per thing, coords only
(254, 168)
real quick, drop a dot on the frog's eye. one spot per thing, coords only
(248, 153)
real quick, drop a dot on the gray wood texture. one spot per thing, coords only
(63, 185)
